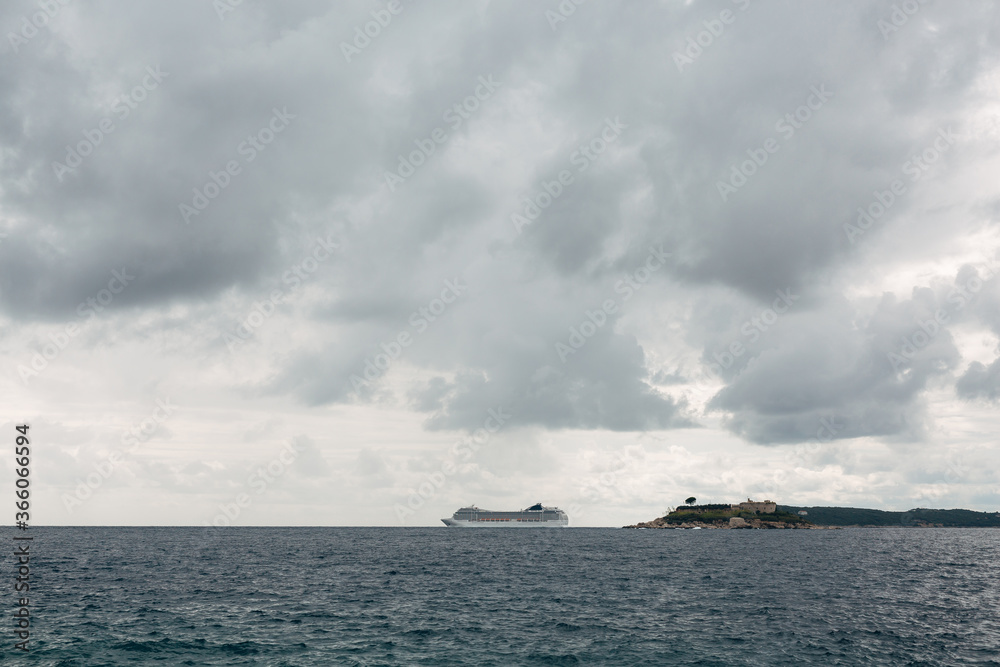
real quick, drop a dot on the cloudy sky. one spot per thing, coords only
(317, 263)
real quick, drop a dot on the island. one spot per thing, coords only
(767, 514)
(920, 517)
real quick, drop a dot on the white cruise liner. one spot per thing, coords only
(535, 516)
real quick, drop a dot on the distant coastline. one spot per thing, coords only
(769, 515)
(920, 517)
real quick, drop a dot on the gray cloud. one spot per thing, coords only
(865, 371)
(980, 381)
(777, 226)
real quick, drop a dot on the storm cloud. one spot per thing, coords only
(585, 215)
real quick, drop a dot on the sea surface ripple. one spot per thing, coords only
(439, 596)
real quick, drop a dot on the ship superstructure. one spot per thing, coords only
(535, 516)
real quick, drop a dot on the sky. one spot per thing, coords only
(315, 263)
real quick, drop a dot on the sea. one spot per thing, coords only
(449, 596)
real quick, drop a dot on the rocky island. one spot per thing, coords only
(769, 515)
(746, 515)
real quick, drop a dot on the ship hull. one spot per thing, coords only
(456, 523)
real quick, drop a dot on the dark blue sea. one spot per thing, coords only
(439, 596)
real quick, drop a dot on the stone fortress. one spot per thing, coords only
(752, 514)
(757, 507)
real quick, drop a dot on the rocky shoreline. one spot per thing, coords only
(748, 524)
(767, 515)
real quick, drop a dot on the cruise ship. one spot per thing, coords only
(535, 516)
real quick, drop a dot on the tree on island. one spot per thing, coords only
(690, 501)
